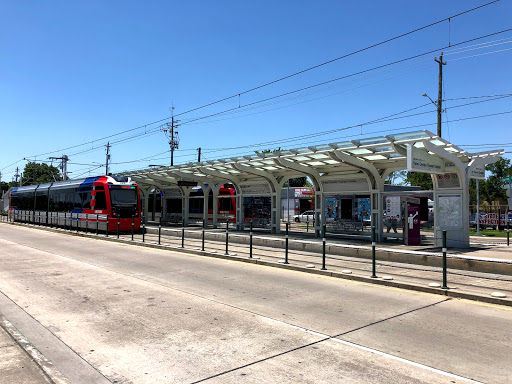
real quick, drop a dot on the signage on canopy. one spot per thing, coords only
(477, 173)
(419, 160)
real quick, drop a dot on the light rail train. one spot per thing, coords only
(103, 202)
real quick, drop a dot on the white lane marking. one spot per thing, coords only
(375, 351)
(7, 241)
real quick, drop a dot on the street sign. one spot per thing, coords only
(507, 179)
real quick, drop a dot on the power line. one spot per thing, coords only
(339, 58)
(288, 76)
(344, 77)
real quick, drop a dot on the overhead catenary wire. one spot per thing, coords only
(238, 94)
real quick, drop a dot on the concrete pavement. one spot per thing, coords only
(123, 313)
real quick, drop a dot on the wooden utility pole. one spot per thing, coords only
(199, 154)
(440, 93)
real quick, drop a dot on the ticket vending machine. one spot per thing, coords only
(411, 223)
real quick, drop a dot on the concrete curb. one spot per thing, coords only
(335, 274)
(47, 368)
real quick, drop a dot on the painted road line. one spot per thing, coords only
(375, 351)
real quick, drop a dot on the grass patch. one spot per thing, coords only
(488, 232)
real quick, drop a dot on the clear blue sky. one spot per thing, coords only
(76, 71)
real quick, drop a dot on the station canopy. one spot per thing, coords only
(341, 158)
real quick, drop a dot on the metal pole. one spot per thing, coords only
(133, 223)
(159, 231)
(307, 224)
(288, 200)
(97, 224)
(77, 221)
(250, 242)
(445, 285)
(227, 236)
(106, 231)
(51, 219)
(118, 222)
(143, 231)
(65, 219)
(202, 235)
(508, 233)
(323, 248)
(86, 223)
(477, 208)
(183, 233)
(286, 245)
(374, 275)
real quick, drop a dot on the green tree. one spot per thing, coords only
(396, 178)
(423, 180)
(493, 188)
(39, 173)
(3, 187)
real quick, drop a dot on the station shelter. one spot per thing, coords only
(348, 177)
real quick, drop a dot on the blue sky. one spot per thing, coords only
(77, 71)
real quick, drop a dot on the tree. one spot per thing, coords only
(396, 178)
(3, 187)
(493, 188)
(40, 173)
(424, 180)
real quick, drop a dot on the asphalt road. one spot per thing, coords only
(107, 312)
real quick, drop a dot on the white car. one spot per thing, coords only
(304, 216)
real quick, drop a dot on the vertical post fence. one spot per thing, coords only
(508, 233)
(183, 233)
(286, 245)
(202, 235)
(86, 223)
(106, 231)
(97, 224)
(374, 275)
(323, 248)
(118, 223)
(445, 284)
(250, 242)
(133, 223)
(227, 237)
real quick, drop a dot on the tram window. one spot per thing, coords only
(77, 201)
(86, 199)
(54, 201)
(41, 201)
(14, 201)
(101, 201)
(226, 204)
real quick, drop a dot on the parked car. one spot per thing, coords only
(304, 216)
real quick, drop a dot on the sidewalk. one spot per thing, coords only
(16, 366)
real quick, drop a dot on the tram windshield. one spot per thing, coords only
(120, 196)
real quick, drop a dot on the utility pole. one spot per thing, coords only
(63, 165)
(440, 93)
(172, 135)
(108, 158)
(17, 174)
(198, 155)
